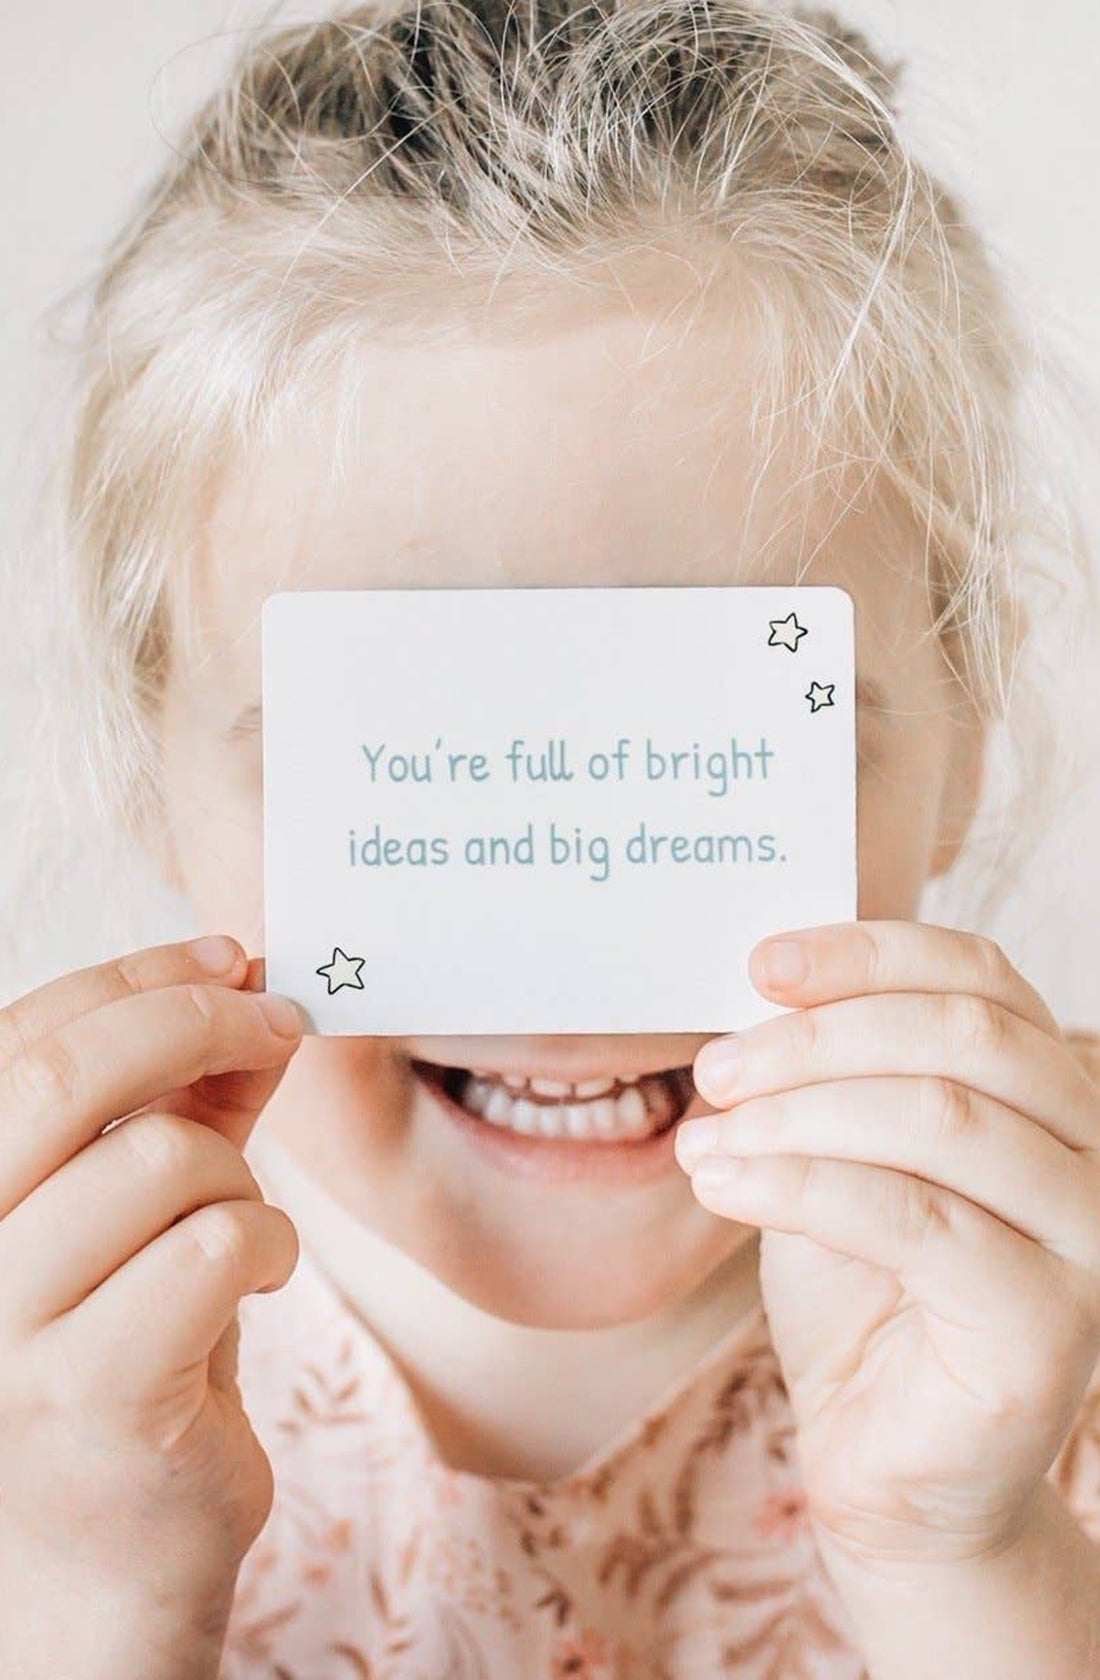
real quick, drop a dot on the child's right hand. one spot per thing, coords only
(131, 1484)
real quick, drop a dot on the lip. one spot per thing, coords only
(562, 1160)
(567, 1058)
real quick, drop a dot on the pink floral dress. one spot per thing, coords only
(678, 1551)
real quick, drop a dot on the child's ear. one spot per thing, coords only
(962, 786)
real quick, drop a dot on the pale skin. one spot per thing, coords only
(920, 1148)
(909, 1175)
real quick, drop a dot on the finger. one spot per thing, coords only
(952, 1257)
(58, 1095)
(850, 959)
(215, 960)
(106, 1203)
(229, 1103)
(223, 1366)
(944, 1132)
(953, 1035)
(165, 1309)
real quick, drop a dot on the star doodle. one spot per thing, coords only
(786, 632)
(820, 695)
(342, 971)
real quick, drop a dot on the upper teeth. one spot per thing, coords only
(551, 1087)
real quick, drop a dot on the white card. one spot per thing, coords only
(475, 821)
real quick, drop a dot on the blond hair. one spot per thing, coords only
(343, 161)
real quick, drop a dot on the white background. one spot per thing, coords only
(1000, 97)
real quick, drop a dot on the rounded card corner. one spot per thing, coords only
(848, 598)
(274, 604)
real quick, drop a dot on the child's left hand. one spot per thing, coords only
(921, 1148)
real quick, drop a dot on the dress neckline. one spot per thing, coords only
(745, 1339)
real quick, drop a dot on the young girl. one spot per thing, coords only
(799, 1384)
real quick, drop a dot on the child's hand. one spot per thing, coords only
(920, 1146)
(131, 1484)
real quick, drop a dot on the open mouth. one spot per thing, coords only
(614, 1109)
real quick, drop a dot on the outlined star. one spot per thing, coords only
(820, 695)
(342, 971)
(786, 632)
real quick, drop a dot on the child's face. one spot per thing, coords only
(605, 447)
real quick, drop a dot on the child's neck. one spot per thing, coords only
(474, 1375)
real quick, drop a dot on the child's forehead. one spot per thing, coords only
(619, 441)
(608, 447)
